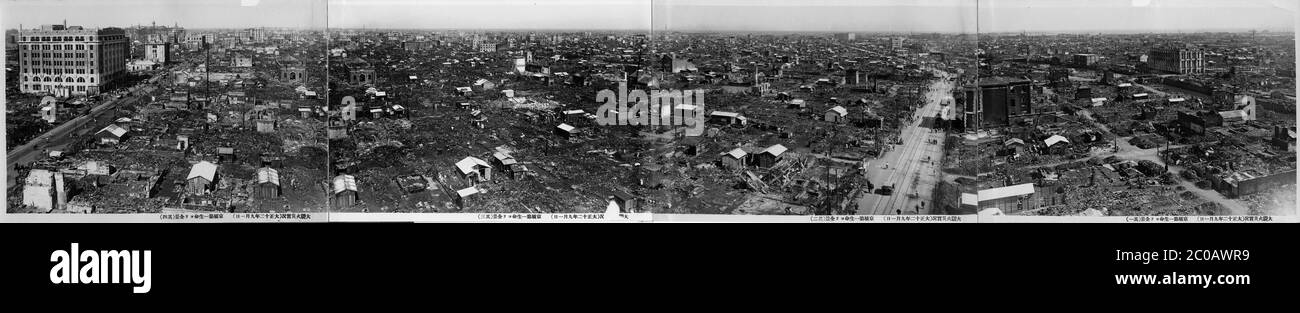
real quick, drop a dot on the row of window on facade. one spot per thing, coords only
(59, 71)
(50, 87)
(60, 79)
(59, 55)
(69, 38)
(59, 63)
(56, 47)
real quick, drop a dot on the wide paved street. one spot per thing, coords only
(911, 167)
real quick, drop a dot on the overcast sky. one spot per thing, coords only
(960, 16)
(686, 15)
(816, 15)
(188, 13)
(492, 14)
(1136, 15)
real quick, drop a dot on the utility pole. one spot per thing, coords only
(207, 68)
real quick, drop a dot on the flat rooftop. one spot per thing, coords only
(1002, 81)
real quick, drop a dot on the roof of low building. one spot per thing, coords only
(840, 110)
(467, 164)
(999, 81)
(40, 177)
(737, 153)
(116, 131)
(203, 169)
(775, 150)
(1234, 114)
(1004, 192)
(1055, 139)
(970, 199)
(268, 175)
(344, 182)
(467, 192)
(504, 158)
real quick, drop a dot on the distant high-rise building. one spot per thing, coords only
(156, 34)
(293, 73)
(178, 34)
(1085, 59)
(488, 47)
(256, 35)
(11, 38)
(1175, 59)
(158, 52)
(896, 43)
(846, 36)
(11, 49)
(71, 60)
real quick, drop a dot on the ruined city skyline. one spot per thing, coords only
(816, 123)
(882, 16)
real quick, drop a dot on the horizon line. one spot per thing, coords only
(652, 30)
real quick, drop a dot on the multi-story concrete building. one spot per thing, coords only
(993, 101)
(255, 35)
(11, 38)
(144, 35)
(11, 49)
(293, 72)
(1177, 59)
(158, 52)
(1085, 59)
(153, 33)
(71, 60)
(178, 34)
